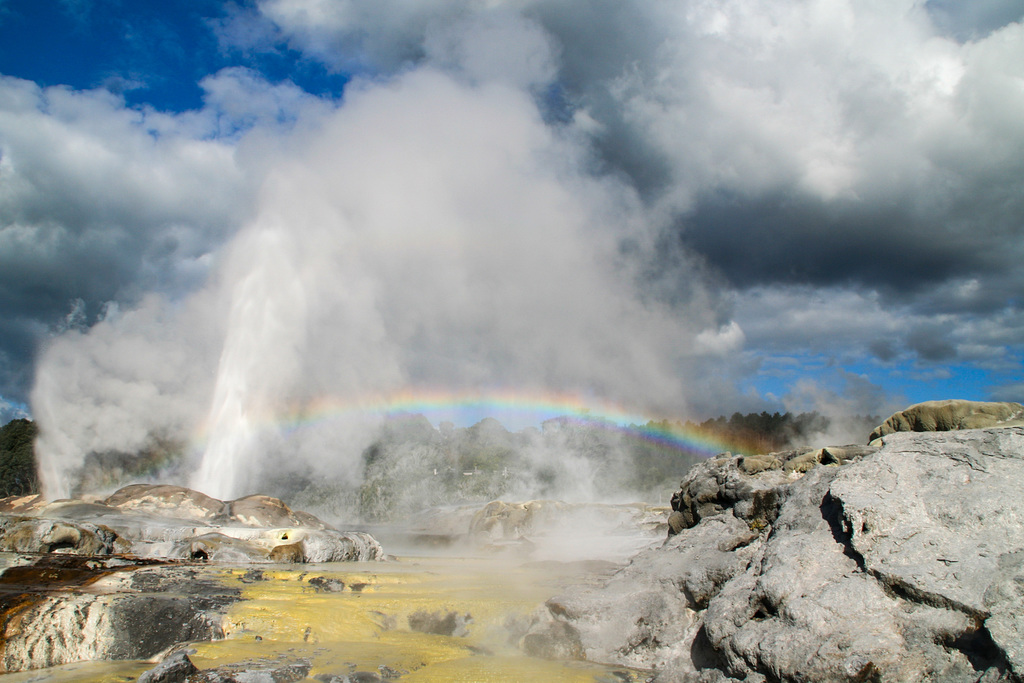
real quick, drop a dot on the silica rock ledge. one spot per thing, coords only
(898, 561)
(176, 523)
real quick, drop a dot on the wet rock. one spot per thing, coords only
(280, 670)
(174, 668)
(252, 576)
(353, 677)
(389, 673)
(287, 553)
(440, 623)
(234, 545)
(172, 522)
(941, 416)
(324, 584)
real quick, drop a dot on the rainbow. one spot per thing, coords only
(515, 410)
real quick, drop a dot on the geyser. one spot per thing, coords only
(427, 233)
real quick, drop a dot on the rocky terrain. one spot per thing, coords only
(124, 577)
(176, 523)
(902, 560)
(64, 608)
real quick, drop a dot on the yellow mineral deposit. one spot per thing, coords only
(348, 617)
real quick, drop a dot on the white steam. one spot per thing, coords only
(430, 233)
(435, 230)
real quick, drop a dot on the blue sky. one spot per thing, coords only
(152, 53)
(685, 208)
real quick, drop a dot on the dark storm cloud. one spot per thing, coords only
(975, 19)
(826, 145)
(792, 239)
(931, 342)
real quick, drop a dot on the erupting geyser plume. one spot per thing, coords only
(427, 233)
(267, 312)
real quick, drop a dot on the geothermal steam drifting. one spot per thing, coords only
(427, 233)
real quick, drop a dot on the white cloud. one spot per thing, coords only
(495, 46)
(88, 182)
(434, 228)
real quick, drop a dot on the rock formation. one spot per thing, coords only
(941, 416)
(66, 608)
(899, 561)
(105, 579)
(172, 522)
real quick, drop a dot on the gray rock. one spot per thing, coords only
(280, 670)
(175, 668)
(65, 609)
(932, 514)
(903, 561)
(440, 623)
(34, 535)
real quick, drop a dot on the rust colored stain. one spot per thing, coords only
(25, 586)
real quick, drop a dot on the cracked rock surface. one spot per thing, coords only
(903, 561)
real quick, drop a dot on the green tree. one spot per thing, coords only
(18, 459)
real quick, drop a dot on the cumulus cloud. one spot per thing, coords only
(656, 203)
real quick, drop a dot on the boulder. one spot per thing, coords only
(903, 561)
(440, 623)
(174, 668)
(942, 416)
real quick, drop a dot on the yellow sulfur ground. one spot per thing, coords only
(366, 624)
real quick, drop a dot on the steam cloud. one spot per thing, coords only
(637, 201)
(428, 233)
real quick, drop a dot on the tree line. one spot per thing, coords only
(18, 459)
